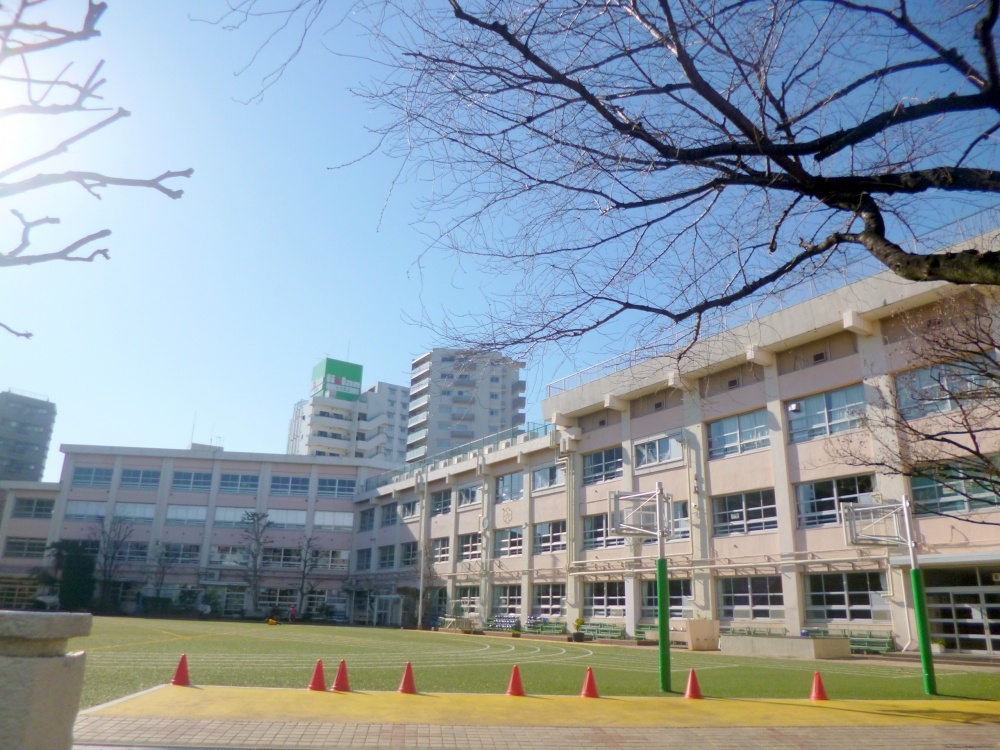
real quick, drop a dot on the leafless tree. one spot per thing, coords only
(255, 528)
(308, 563)
(113, 537)
(36, 85)
(629, 165)
(162, 565)
(938, 422)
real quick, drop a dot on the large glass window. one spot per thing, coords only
(440, 549)
(366, 519)
(24, 547)
(950, 491)
(387, 557)
(84, 476)
(510, 487)
(507, 599)
(287, 519)
(230, 517)
(508, 542)
(85, 510)
(468, 599)
(191, 481)
(33, 507)
(297, 486)
(744, 512)
(660, 451)
(604, 599)
(682, 519)
(441, 503)
(819, 502)
(327, 487)
(182, 554)
(134, 552)
(137, 512)
(469, 546)
(602, 466)
(548, 600)
(680, 602)
(751, 598)
(549, 537)
(140, 479)
(596, 534)
(846, 597)
(186, 515)
(739, 434)
(409, 509)
(333, 520)
(826, 413)
(239, 484)
(390, 514)
(548, 476)
(408, 554)
(281, 557)
(941, 387)
(363, 559)
(471, 495)
(228, 554)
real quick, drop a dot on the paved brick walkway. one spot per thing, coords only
(93, 732)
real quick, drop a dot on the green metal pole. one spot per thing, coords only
(923, 630)
(663, 623)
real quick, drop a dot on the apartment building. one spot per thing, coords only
(175, 522)
(339, 419)
(457, 397)
(26, 424)
(754, 437)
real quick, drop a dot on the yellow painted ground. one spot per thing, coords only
(268, 704)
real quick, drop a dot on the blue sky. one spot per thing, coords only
(214, 308)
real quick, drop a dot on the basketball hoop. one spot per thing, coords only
(640, 514)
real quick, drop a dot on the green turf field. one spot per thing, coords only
(125, 655)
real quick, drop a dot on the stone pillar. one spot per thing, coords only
(40, 684)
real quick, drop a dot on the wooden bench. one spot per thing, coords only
(544, 627)
(601, 630)
(862, 641)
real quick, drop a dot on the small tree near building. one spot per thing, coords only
(255, 538)
(113, 537)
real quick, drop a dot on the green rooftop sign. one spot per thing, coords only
(336, 379)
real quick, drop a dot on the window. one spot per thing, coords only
(595, 533)
(826, 414)
(329, 559)
(602, 465)
(297, 486)
(228, 554)
(24, 547)
(387, 557)
(679, 598)
(440, 503)
(186, 515)
(140, 479)
(548, 599)
(137, 512)
(363, 560)
(33, 507)
(408, 554)
(846, 597)
(549, 537)
(440, 549)
(281, 557)
(509, 487)
(739, 434)
(287, 519)
(87, 477)
(366, 519)
(274, 598)
(390, 514)
(940, 387)
(950, 491)
(239, 484)
(659, 451)
(470, 546)
(819, 502)
(507, 599)
(604, 599)
(468, 598)
(508, 542)
(548, 476)
(744, 512)
(682, 520)
(182, 554)
(83, 510)
(471, 495)
(751, 598)
(133, 552)
(230, 517)
(191, 481)
(410, 509)
(333, 520)
(494, 378)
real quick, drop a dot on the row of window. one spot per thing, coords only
(195, 481)
(191, 515)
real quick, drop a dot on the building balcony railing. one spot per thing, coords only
(417, 403)
(417, 372)
(465, 398)
(423, 386)
(416, 437)
(417, 420)
(412, 455)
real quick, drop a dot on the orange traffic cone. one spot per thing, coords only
(589, 686)
(341, 683)
(818, 691)
(181, 675)
(407, 686)
(515, 687)
(318, 682)
(693, 690)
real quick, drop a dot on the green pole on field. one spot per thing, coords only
(923, 630)
(663, 623)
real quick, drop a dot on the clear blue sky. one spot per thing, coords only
(214, 308)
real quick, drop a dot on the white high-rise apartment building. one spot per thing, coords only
(338, 419)
(457, 396)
